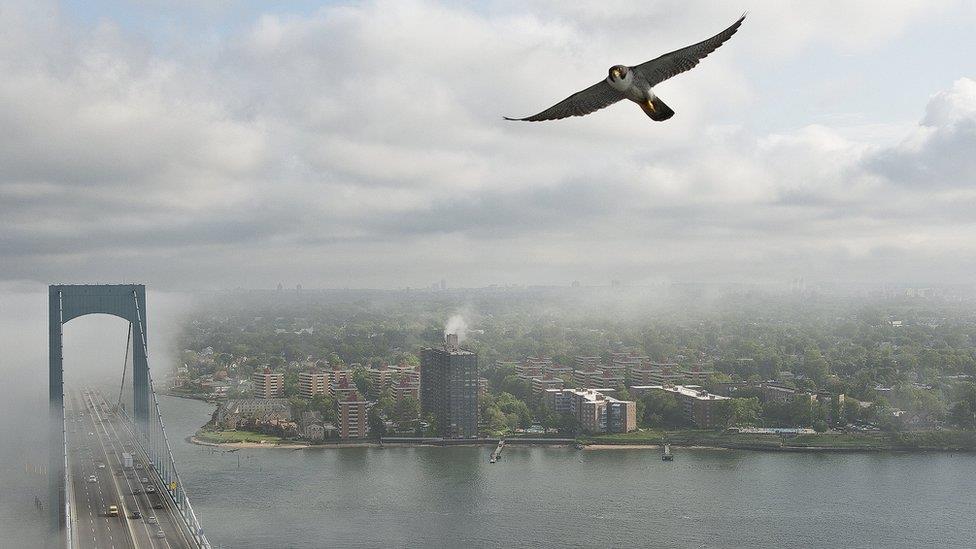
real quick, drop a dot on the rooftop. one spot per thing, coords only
(693, 391)
(456, 351)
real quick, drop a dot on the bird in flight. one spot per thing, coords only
(636, 83)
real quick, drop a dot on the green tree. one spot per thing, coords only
(511, 406)
(546, 416)
(963, 410)
(815, 366)
(519, 388)
(739, 411)
(298, 405)
(377, 426)
(291, 384)
(407, 409)
(663, 410)
(362, 380)
(325, 405)
(569, 424)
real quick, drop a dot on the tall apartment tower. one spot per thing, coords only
(268, 384)
(449, 388)
(312, 383)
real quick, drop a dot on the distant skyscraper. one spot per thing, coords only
(449, 388)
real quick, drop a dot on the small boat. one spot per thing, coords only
(667, 455)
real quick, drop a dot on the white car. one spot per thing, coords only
(152, 520)
(160, 534)
(92, 478)
(144, 480)
(101, 465)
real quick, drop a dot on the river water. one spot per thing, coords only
(559, 497)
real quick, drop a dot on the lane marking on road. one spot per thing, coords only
(121, 503)
(117, 452)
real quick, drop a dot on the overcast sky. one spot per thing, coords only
(212, 144)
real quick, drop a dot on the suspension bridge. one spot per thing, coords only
(112, 478)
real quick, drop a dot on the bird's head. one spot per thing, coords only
(620, 77)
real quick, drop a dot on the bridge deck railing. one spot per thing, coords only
(172, 484)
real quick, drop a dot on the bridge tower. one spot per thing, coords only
(66, 302)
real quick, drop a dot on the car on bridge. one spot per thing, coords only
(91, 478)
(160, 534)
(113, 511)
(152, 519)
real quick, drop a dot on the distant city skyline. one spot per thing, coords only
(205, 145)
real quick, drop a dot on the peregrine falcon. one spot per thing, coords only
(635, 83)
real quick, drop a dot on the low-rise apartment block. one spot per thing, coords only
(406, 386)
(560, 371)
(540, 384)
(588, 362)
(596, 412)
(588, 378)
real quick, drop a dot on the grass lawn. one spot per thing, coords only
(236, 436)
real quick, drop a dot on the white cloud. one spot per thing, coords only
(363, 145)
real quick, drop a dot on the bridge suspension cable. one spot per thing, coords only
(125, 363)
(159, 449)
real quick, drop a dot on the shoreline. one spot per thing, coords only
(593, 447)
(588, 447)
(189, 396)
(919, 442)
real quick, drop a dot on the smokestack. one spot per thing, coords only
(451, 342)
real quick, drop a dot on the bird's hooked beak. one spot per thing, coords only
(616, 73)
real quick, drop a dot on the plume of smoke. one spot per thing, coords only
(456, 325)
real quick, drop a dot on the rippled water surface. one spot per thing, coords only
(557, 497)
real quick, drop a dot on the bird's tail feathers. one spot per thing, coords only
(657, 110)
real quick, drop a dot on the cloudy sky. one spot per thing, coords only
(212, 144)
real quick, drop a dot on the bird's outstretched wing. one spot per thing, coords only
(658, 70)
(581, 103)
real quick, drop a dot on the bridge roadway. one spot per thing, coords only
(95, 437)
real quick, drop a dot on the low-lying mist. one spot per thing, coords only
(94, 349)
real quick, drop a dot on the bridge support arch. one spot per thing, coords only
(66, 302)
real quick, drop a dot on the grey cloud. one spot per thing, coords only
(357, 143)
